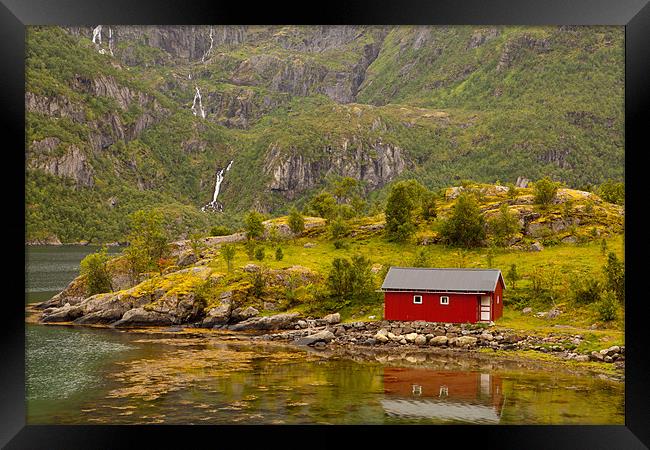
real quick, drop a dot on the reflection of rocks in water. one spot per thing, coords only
(474, 397)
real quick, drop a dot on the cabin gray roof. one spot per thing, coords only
(444, 280)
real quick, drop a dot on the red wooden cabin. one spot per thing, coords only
(443, 295)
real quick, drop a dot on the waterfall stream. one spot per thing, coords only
(198, 96)
(214, 205)
(207, 53)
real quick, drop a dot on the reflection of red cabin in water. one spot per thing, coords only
(460, 396)
(443, 295)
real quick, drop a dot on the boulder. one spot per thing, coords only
(553, 313)
(66, 313)
(251, 268)
(466, 341)
(219, 315)
(187, 259)
(139, 316)
(241, 313)
(332, 319)
(321, 336)
(410, 337)
(275, 322)
(420, 339)
(527, 310)
(582, 358)
(536, 247)
(439, 340)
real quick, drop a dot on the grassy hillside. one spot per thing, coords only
(109, 134)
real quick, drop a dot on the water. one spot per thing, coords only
(78, 375)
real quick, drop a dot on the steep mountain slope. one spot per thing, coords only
(121, 117)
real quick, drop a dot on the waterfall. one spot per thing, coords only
(205, 55)
(110, 40)
(198, 96)
(214, 205)
(97, 35)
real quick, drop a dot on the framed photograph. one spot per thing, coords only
(240, 218)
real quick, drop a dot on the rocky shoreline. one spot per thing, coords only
(328, 333)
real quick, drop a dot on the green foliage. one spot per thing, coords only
(603, 247)
(351, 279)
(338, 229)
(147, 241)
(220, 230)
(228, 252)
(513, 192)
(258, 283)
(504, 226)
(402, 206)
(545, 191)
(586, 290)
(513, 276)
(250, 246)
(422, 258)
(466, 225)
(196, 244)
(254, 225)
(612, 191)
(489, 257)
(607, 307)
(279, 254)
(259, 253)
(296, 221)
(614, 271)
(323, 205)
(95, 271)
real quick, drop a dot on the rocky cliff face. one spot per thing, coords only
(291, 172)
(117, 105)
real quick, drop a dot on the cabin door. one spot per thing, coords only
(484, 309)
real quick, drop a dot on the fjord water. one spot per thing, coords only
(78, 375)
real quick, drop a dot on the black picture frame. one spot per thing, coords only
(15, 15)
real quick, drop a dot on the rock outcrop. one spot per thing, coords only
(292, 172)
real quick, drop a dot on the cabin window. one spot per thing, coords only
(444, 300)
(417, 299)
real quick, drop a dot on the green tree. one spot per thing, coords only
(147, 241)
(228, 253)
(351, 279)
(279, 254)
(338, 228)
(250, 247)
(254, 225)
(607, 307)
(466, 225)
(196, 244)
(545, 191)
(94, 268)
(504, 226)
(603, 246)
(324, 205)
(428, 205)
(614, 271)
(259, 253)
(296, 221)
(489, 257)
(402, 209)
(612, 192)
(513, 192)
(220, 230)
(513, 276)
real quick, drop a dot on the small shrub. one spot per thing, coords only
(607, 307)
(586, 290)
(228, 254)
(545, 191)
(220, 230)
(94, 268)
(279, 254)
(296, 221)
(259, 253)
